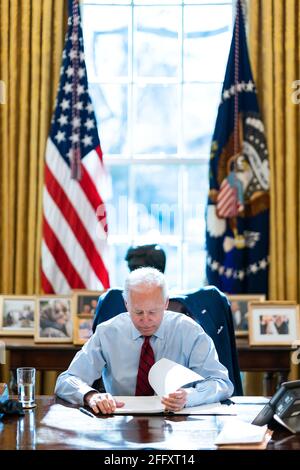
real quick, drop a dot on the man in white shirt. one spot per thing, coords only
(114, 351)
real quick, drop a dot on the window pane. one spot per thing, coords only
(145, 111)
(200, 104)
(193, 266)
(156, 120)
(156, 41)
(196, 191)
(117, 207)
(193, 2)
(156, 192)
(196, 2)
(142, 2)
(110, 105)
(106, 41)
(172, 271)
(118, 268)
(104, 2)
(206, 44)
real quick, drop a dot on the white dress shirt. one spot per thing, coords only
(113, 352)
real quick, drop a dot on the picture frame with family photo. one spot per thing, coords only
(240, 308)
(17, 315)
(274, 323)
(84, 303)
(53, 321)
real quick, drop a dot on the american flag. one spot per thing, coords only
(74, 243)
(227, 200)
(228, 204)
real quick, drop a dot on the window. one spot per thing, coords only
(155, 72)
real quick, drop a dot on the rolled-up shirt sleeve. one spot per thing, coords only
(216, 385)
(85, 368)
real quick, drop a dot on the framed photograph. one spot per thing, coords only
(82, 329)
(17, 314)
(84, 305)
(273, 323)
(239, 308)
(53, 323)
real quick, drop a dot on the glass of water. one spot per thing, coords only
(26, 386)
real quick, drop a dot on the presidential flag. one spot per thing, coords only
(74, 240)
(237, 217)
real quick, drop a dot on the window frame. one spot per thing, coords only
(182, 159)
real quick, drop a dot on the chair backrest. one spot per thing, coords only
(208, 307)
(110, 304)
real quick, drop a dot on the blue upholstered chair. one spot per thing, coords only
(211, 309)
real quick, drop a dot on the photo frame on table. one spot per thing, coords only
(53, 321)
(84, 303)
(273, 323)
(239, 308)
(17, 314)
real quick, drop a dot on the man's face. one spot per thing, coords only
(146, 307)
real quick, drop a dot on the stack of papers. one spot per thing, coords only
(152, 405)
(238, 434)
(165, 377)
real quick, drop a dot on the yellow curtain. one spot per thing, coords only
(274, 43)
(31, 43)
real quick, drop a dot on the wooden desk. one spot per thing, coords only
(55, 356)
(64, 428)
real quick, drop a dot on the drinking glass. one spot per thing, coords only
(26, 386)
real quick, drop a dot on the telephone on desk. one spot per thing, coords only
(285, 403)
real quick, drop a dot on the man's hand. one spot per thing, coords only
(175, 401)
(102, 402)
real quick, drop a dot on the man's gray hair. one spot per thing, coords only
(149, 277)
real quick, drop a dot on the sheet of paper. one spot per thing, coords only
(166, 376)
(63, 417)
(134, 405)
(149, 405)
(236, 431)
(248, 445)
(249, 400)
(247, 412)
(208, 409)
